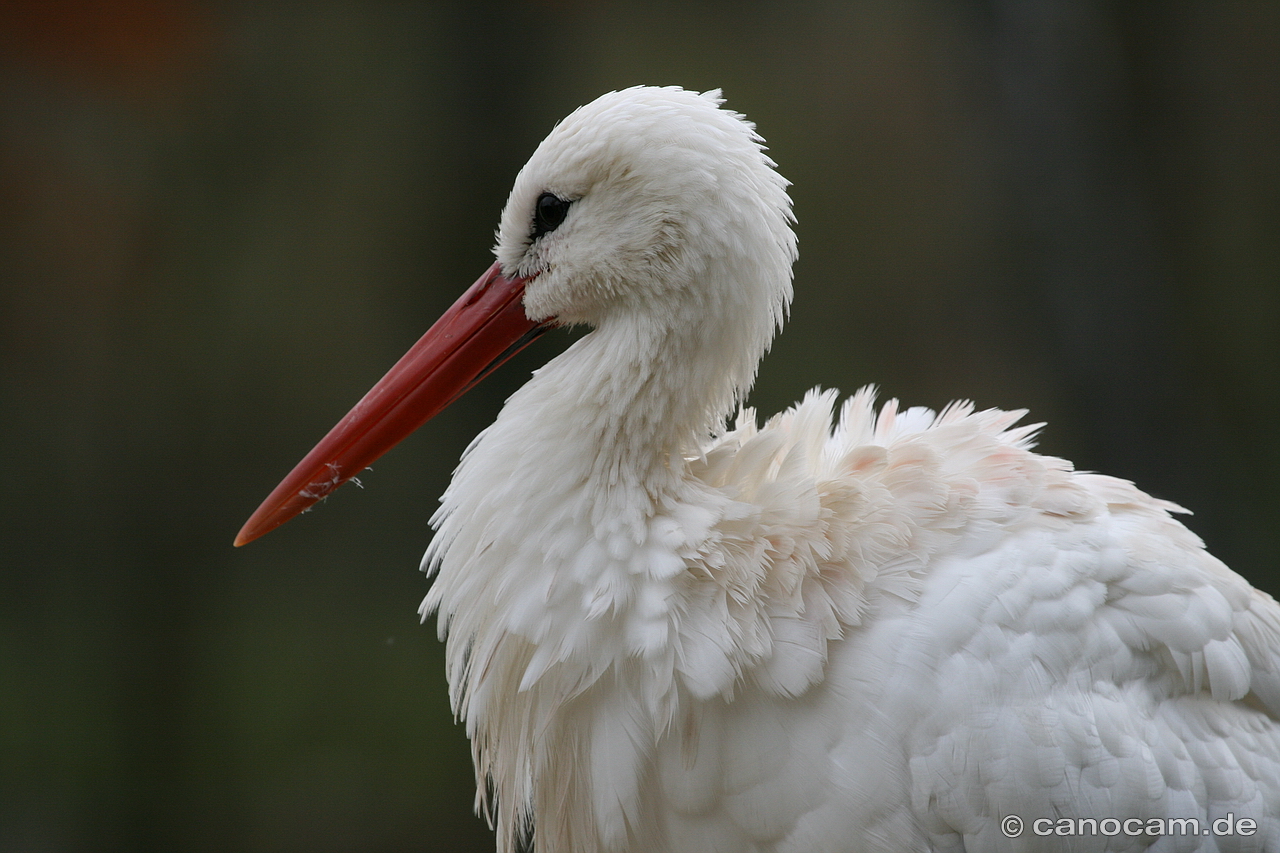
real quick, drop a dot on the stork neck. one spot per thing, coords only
(635, 396)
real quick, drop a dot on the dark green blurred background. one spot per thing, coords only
(220, 224)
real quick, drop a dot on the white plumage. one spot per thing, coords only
(886, 631)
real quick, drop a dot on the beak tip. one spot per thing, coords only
(258, 525)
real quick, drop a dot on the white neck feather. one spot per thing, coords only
(565, 537)
(550, 571)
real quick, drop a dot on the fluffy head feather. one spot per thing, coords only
(676, 215)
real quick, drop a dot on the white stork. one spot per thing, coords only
(893, 630)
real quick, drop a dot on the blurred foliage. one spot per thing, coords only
(221, 223)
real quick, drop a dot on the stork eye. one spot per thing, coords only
(548, 212)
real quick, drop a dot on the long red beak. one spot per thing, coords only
(484, 328)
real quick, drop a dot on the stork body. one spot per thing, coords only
(879, 631)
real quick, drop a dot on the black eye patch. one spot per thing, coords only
(548, 212)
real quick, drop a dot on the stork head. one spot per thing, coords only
(646, 199)
(649, 206)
